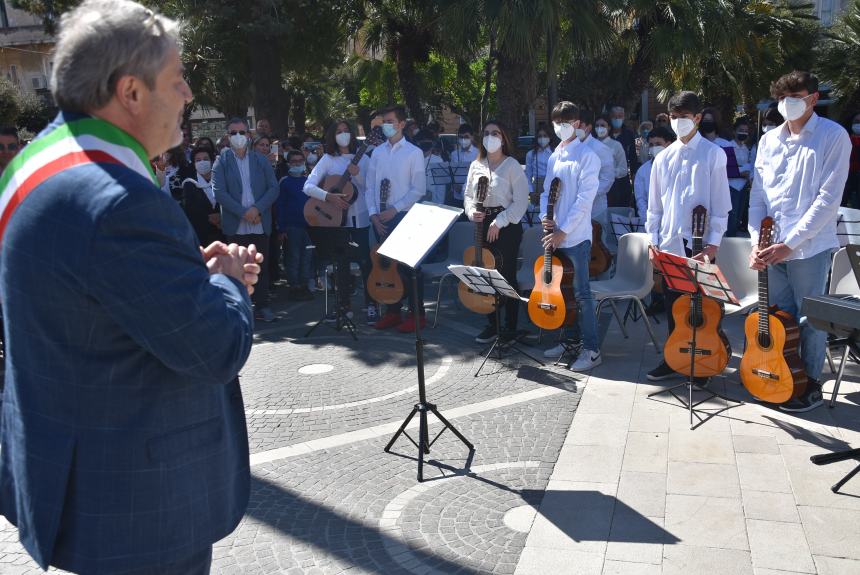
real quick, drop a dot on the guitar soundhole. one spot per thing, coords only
(694, 319)
(764, 340)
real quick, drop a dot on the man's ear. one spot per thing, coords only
(129, 93)
(697, 118)
(815, 98)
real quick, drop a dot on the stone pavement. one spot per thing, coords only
(571, 474)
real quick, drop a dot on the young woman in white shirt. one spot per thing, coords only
(506, 203)
(340, 147)
(536, 159)
(620, 195)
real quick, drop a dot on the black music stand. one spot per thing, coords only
(409, 243)
(828, 458)
(459, 173)
(333, 244)
(696, 279)
(491, 282)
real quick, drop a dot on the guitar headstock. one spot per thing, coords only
(375, 137)
(765, 234)
(553, 191)
(481, 191)
(700, 214)
(384, 190)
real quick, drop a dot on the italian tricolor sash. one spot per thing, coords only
(81, 141)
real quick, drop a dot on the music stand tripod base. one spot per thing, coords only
(827, 458)
(500, 346)
(331, 246)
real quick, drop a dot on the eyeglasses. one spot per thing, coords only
(8, 147)
(239, 132)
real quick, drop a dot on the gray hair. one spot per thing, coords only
(101, 41)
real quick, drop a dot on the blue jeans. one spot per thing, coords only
(580, 255)
(297, 258)
(789, 283)
(738, 197)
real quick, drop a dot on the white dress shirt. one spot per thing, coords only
(508, 189)
(641, 183)
(247, 196)
(619, 156)
(684, 176)
(328, 165)
(432, 165)
(206, 186)
(799, 182)
(606, 177)
(536, 165)
(578, 168)
(403, 165)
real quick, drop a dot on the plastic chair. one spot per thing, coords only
(848, 226)
(632, 282)
(460, 237)
(733, 259)
(842, 282)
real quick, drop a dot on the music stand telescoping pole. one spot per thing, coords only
(492, 283)
(410, 242)
(697, 280)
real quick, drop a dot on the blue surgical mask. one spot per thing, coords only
(617, 123)
(296, 171)
(389, 130)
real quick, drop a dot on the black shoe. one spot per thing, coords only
(661, 372)
(701, 382)
(489, 334)
(807, 402)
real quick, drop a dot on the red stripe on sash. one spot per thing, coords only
(52, 168)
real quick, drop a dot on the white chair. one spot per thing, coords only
(632, 281)
(530, 249)
(621, 221)
(848, 226)
(460, 236)
(842, 282)
(733, 259)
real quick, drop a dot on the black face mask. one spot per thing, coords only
(741, 137)
(708, 127)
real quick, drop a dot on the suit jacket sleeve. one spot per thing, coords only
(148, 274)
(219, 188)
(264, 202)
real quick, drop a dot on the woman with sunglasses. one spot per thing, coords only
(506, 203)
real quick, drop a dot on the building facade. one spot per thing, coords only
(25, 50)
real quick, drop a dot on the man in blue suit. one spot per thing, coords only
(245, 185)
(124, 446)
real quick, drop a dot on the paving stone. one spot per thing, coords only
(686, 560)
(776, 545)
(770, 506)
(646, 452)
(710, 479)
(831, 532)
(706, 521)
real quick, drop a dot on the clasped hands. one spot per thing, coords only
(239, 262)
(379, 220)
(553, 237)
(252, 216)
(492, 231)
(771, 255)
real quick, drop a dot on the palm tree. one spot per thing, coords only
(839, 61)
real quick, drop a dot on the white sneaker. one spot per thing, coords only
(554, 351)
(586, 361)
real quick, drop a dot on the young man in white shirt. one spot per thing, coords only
(800, 173)
(403, 165)
(569, 231)
(461, 158)
(688, 173)
(606, 176)
(658, 140)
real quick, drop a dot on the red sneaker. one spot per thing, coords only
(390, 319)
(408, 324)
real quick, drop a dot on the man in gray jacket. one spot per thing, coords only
(244, 184)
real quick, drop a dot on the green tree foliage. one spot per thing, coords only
(839, 61)
(10, 104)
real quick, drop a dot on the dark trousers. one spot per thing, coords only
(405, 274)
(261, 289)
(360, 254)
(198, 564)
(620, 194)
(506, 248)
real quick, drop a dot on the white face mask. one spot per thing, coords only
(792, 108)
(492, 144)
(543, 142)
(238, 141)
(601, 131)
(855, 128)
(654, 150)
(343, 139)
(312, 158)
(683, 126)
(465, 143)
(563, 130)
(203, 167)
(580, 134)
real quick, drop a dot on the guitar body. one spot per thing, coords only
(553, 305)
(323, 214)
(714, 350)
(384, 284)
(601, 257)
(476, 302)
(773, 372)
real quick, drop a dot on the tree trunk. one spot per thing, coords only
(408, 79)
(552, 66)
(269, 93)
(515, 91)
(299, 116)
(488, 80)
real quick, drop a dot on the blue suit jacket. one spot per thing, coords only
(123, 431)
(227, 185)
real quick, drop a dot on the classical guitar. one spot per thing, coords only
(771, 368)
(552, 303)
(601, 257)
(478, 256)
(713, 351)
(384, 283)
(320, 213)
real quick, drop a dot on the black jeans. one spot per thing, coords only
(506, 248)
(260, 296)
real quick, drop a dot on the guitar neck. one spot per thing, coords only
(479, 237)
(698, 246)
(763, 303)
(547, 252)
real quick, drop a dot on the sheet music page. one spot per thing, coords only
(423, 226)
(473, 278)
